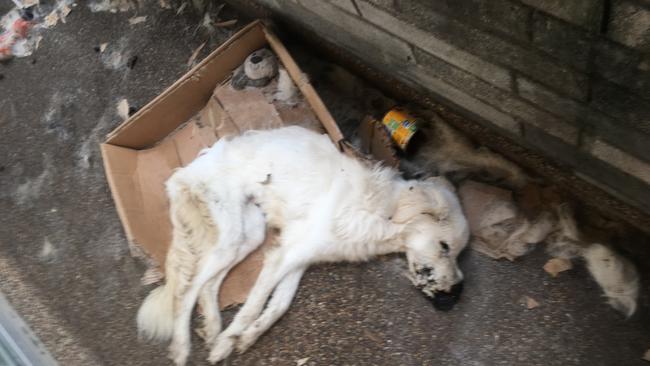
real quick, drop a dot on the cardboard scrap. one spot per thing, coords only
(498, 228)
(137, 20)
(556, 265)
(51, 19)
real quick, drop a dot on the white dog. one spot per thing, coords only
(328, 206)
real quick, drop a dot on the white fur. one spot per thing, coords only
(328, 207)
(616, 276)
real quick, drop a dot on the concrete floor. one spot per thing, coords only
(65, 266)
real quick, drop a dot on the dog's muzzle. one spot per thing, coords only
(445, 301)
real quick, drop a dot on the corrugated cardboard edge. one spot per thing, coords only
(307, 90)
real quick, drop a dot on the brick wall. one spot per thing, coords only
(569, 78)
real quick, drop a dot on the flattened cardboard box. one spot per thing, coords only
(142, 153)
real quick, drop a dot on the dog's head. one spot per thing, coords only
(435, 233)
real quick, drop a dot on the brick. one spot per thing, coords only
(495, 49)
(584, 13)
(460, 99)
(384, 4)
(622, 66)
(351, 32)
(503, 16)
(346, 5)
(621, 160)
(580, 114)
(620, 104)
(561, 40)
(629, 24)
(500, 99)
(453, 55)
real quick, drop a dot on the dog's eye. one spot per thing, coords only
(445, 246)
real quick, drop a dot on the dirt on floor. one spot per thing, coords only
(66, 268)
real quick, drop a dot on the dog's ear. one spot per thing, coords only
(420, 200)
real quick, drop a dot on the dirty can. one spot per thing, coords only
(401, 126)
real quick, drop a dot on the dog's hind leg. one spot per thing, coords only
(228, 215)
(276, 266)
(278, 305)
(255, 231)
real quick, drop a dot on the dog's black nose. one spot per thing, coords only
(445, 301)
(256, 59)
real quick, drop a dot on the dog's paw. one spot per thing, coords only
(208, 334)
(222, 348)
(179, 352)
(246, 340)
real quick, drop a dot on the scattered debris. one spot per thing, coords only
(164, 4)
(102, 47)
(302, 361)
(498, 228)
(258, 70)
(137, 20)
(52, 19)
(195, 54)
(112, 6)
(227, 23)
(17, 25)
(47, 251)
(123, 109)
(529, 302)
(556, 265)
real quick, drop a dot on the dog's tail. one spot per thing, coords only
(615, 274)
(193, 230)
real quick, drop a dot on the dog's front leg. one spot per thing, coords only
(276, 267)
(278, 305)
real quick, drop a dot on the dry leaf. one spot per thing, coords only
(302, 361)
(227, 23)
(164, 4)
(102, 47)
(51, 19)
(195, 54)
(557, 265)
(181, 8)
(65, 10)
(372, 336)
(646, 355)
(123, 109)
(530, 302)
(137, 20)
